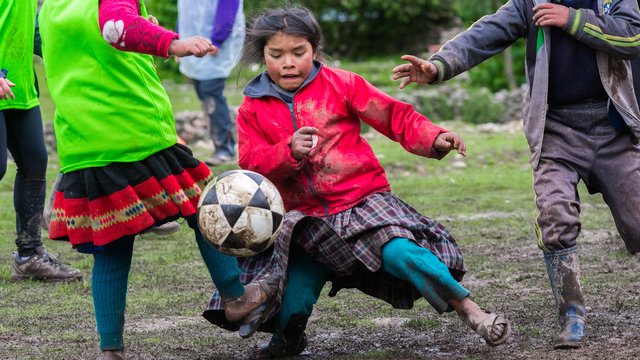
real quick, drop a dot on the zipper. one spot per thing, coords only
(305, 169)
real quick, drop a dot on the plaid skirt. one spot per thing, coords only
(349, 244)
(95, 206)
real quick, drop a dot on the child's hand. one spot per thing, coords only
(418, 71)
(5, 89)
(448, 141)
(195, 45)
(153, 20)
(303, 141)
(548, 14)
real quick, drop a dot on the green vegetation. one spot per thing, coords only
(372, 27)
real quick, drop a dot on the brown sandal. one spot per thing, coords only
(249, 325)
(485, 328)
(239, 308)
(255, 301)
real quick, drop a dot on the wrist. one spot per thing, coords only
(439, 65)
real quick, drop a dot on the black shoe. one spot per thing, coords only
(290, 346)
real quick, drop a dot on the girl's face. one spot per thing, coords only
(289, 60)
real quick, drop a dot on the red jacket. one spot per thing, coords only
(342, 169)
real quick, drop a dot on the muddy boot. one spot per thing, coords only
(564, 274)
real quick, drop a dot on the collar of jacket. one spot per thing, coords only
(262, 85)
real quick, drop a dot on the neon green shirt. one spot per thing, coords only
(17, 30)
(110, 104)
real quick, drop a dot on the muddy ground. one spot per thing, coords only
(516, 285)
(504, 277)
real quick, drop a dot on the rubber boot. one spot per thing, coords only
(563, 269)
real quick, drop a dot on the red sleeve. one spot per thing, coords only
(122, 26)
(395, 119)
(256, 154)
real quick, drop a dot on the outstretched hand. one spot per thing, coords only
(548, 14)
(5, 89)
(303, 141)
(448, 141)
(195, 45)
(418, 71)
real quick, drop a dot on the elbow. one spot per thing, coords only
(113, 32)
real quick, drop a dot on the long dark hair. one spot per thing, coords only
(297, 21)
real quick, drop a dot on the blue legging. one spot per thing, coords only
(21, 133)
(401, 258)
(111, 275)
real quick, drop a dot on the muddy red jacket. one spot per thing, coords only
(341, 169)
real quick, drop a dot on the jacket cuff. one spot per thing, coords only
(575, 22)
(163, 45)
(441, 66)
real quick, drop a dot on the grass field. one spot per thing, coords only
(485, 199)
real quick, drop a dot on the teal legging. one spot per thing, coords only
(401, 258)
(306, 278)
(111, 275)
(408, 261)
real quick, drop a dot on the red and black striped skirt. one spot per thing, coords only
(95, 206)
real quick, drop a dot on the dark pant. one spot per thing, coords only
(214, 104)
(579, 144)
(21, 133)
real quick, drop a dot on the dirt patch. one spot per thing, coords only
(506, 278)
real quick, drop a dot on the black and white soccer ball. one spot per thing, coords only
(240, 213)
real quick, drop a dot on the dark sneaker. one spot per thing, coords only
(165, 229)
(280, 349)
(219, 159)
(111, 355)
(43, 266)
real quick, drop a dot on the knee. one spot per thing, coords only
(299, 301)
(631, 238)
(558, 227)
(35, 168)
(395, 255)
(301, 296)
(395, 248)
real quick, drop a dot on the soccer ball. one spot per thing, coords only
(240, 213)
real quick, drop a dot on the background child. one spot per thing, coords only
(21, 133)
(299, 125)
(223, 22)
(123, 171)
(581, 120)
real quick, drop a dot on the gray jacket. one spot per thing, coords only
(614, 33)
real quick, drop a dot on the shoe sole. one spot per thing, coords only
(18, 278)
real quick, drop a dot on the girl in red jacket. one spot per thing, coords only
(299, 125)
